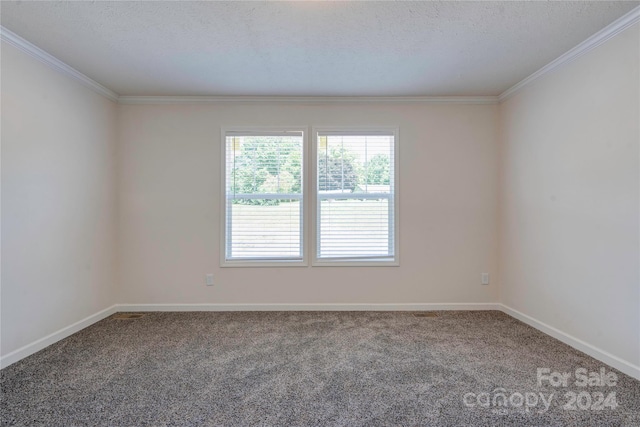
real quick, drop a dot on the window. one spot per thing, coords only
(264, 204)
(355, 196)
(353, 187)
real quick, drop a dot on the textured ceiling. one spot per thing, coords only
(308, 48)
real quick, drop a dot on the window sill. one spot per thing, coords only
(263, 263)
(352, 263)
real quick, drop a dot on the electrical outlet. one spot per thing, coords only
(484, 278)
(209, 279)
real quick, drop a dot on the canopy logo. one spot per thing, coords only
(499, 401)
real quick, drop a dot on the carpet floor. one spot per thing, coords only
(315, 369)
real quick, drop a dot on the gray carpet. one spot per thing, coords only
(304, 369)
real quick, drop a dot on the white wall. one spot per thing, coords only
(58, 201)
(169, 206)
(570, 198)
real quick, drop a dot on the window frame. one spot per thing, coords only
(277, 262)
(313, 208)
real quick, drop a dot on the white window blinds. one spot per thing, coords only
(264, 195)
(355, 199)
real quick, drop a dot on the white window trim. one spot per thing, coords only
(313, 208)
(304, 262)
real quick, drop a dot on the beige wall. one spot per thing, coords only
(169, 210)
(58, 201)
(570, 198)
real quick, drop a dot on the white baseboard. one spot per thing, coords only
(41, 343)
(578, 344)
(603, 356)
(38, 345)
(309, 307)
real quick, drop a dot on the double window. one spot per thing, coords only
(339, 201)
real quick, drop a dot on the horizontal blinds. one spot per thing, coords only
(355, 195)
(264, 184)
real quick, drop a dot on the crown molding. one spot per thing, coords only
(53, 62)
(592, 42)
(306, 99)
